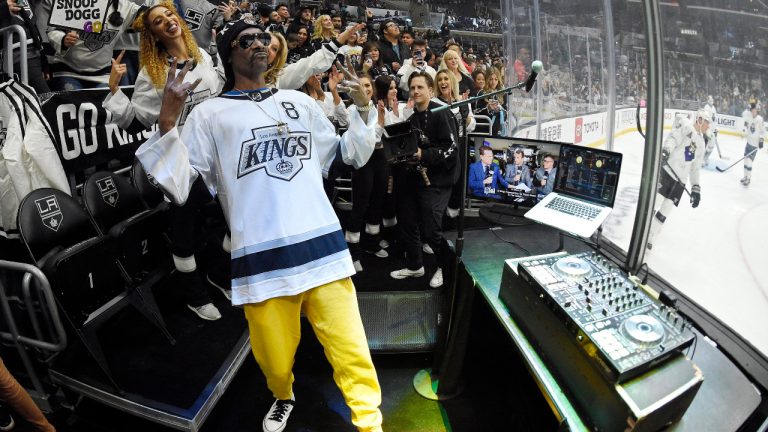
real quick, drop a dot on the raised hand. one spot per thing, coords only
(382, 111)
(117, 72)
(13, 7)
(70, 39)
(356, 91)
(392, 99)
(344, 36)
(175, 94)
(227, 9)
(334, 78)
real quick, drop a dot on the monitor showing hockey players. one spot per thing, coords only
(513, 171)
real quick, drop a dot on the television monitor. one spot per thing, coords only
(512, 165)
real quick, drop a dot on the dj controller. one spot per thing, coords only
(616, 324)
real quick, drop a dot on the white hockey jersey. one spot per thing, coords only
(146, 100)
(754, 128)
(28, 157)
(338, 112)
(90, 57)
(686, 152)
(294, 75)
(286, 238)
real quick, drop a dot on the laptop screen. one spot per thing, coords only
(589, 174)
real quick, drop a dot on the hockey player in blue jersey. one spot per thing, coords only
(263, 152)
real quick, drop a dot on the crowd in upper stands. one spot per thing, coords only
(701, 59)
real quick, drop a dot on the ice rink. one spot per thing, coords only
(716, 254)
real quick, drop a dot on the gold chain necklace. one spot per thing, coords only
(282, 127)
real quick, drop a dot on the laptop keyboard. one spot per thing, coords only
(575, 208)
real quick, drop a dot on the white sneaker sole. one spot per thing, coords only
(227, 293)
(201, 315)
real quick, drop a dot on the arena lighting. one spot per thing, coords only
(689, 32)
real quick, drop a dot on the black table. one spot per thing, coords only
(726, 398)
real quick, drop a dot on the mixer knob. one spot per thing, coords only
(589, 307)
(586, 292)
(605, 312)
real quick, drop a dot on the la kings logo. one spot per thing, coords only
(108, 190)
(194, 19)
(50, 212)
(280, 155)
(97, 41)
(193, 100)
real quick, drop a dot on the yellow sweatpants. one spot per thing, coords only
(332, 311)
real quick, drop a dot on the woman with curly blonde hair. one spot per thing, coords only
(324, 31)
(164, 37)
(167, 42)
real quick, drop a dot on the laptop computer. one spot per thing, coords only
(586, 182)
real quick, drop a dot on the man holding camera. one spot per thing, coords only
(424, 184)
(417, 63)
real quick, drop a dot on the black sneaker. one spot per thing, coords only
(277, 417)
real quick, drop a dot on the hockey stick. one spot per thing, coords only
(735, 163)
(677, 179)
(719, 153)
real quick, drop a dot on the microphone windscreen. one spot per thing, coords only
(537, 66)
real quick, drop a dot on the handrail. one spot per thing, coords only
(44, 288)
(8, 60)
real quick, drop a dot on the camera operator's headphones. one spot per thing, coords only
(115, 18)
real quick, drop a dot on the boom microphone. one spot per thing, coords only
(536, 67)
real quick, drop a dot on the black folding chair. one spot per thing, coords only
(89, 284)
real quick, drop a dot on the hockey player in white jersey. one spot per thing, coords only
(754, 134)
(263, 152)
(681, 156)
(710, 138)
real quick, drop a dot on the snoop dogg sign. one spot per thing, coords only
(83, 131)
(84, 15)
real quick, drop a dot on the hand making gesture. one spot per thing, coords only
(175, 94)
(117, 72)
(356, 92)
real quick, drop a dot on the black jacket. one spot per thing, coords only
(441, 155)
(388, 55)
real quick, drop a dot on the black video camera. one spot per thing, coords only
(401, 141)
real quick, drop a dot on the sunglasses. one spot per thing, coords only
(246, 41)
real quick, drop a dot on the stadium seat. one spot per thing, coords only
(148, 188)
(89, 285)
(117, 210)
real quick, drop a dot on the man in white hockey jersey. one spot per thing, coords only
(263, 151)
(754, 134)
(710, 138)
(681, 157)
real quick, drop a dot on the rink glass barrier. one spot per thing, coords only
(595, 63)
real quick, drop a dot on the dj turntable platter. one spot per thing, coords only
(643, 329)
(573, 267)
